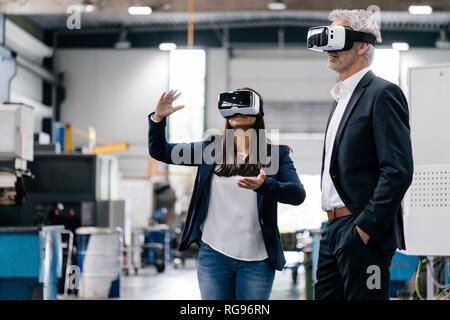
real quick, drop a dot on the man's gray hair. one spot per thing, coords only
(360, 20)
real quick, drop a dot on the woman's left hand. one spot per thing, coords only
(252, 183)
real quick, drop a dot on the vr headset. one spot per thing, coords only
(244, 102)
(336, 38)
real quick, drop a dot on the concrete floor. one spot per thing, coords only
(181, 284)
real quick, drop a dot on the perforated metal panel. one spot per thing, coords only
(427, 202)
(427, 211)
(430, 187)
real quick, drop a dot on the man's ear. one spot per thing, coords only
(362, 47)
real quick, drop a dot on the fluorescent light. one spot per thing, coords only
(167, 46)
(420, 9)
(277, 5)
(86, 6)
(400, 46)
(143, 10)
(89, 8)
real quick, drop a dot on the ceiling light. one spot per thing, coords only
(142, 10)
(420, 9)
(400, 46)
(86, 6)
(123, 42)
(167, 46)
(277, 5)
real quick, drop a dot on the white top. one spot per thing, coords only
(341, 93)
(232, 226)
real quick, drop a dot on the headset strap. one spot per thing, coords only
(362, 37)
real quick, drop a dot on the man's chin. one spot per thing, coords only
(331, 66)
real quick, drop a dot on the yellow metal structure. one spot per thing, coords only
(111, 148)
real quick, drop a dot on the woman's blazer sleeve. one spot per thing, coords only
(287, 188)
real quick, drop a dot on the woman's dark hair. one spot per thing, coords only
(246, 169)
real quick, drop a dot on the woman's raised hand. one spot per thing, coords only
(164, 107)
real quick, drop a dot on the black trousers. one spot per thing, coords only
(348, 269)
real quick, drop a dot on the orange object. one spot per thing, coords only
(191, 25)
(111, 148)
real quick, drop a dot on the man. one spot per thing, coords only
(367, 167)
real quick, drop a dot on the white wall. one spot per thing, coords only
(114, 91)
(290, 75)
(281, 76)
(420, 57)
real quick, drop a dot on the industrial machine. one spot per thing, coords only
(427, 202)
(30, 262)
(16, 149)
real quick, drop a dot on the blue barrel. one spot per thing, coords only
(30, 262)
(99, 257)
(156, 249)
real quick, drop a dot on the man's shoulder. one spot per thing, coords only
(383, 84)
(379, 86)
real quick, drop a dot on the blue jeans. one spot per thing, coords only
(223, 278)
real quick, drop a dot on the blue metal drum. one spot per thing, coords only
(99, 257)
(30, 262)
(156, 249)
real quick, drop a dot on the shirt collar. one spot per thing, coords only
(346, 87)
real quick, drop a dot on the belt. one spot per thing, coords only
(338, 213)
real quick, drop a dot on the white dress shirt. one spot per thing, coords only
(341, 93)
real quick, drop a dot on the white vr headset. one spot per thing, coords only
(336, 38)
(244, 102)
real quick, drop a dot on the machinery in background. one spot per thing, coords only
(30, 262)
(72, 190)
(427, 202)
(16, 150)
(292, 251)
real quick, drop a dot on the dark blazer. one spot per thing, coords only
(284, 186)
(371, 162)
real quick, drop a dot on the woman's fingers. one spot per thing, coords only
(244, 185)
(166, 96)
(178, 108)
(163, 96)
(248, 180)
(176, 96)
(171, 95)
(248, 183)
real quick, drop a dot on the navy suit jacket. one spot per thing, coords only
(284, 186)
(371, 161)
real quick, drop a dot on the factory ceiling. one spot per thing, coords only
(166, 21)
(121, 6)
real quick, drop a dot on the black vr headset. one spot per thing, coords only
(336, 38)
(244, 102)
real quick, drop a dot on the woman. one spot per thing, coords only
(233, 210)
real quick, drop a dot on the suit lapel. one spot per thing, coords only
(348, 111)
(325, 139)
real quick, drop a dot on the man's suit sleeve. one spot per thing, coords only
(393, 148)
